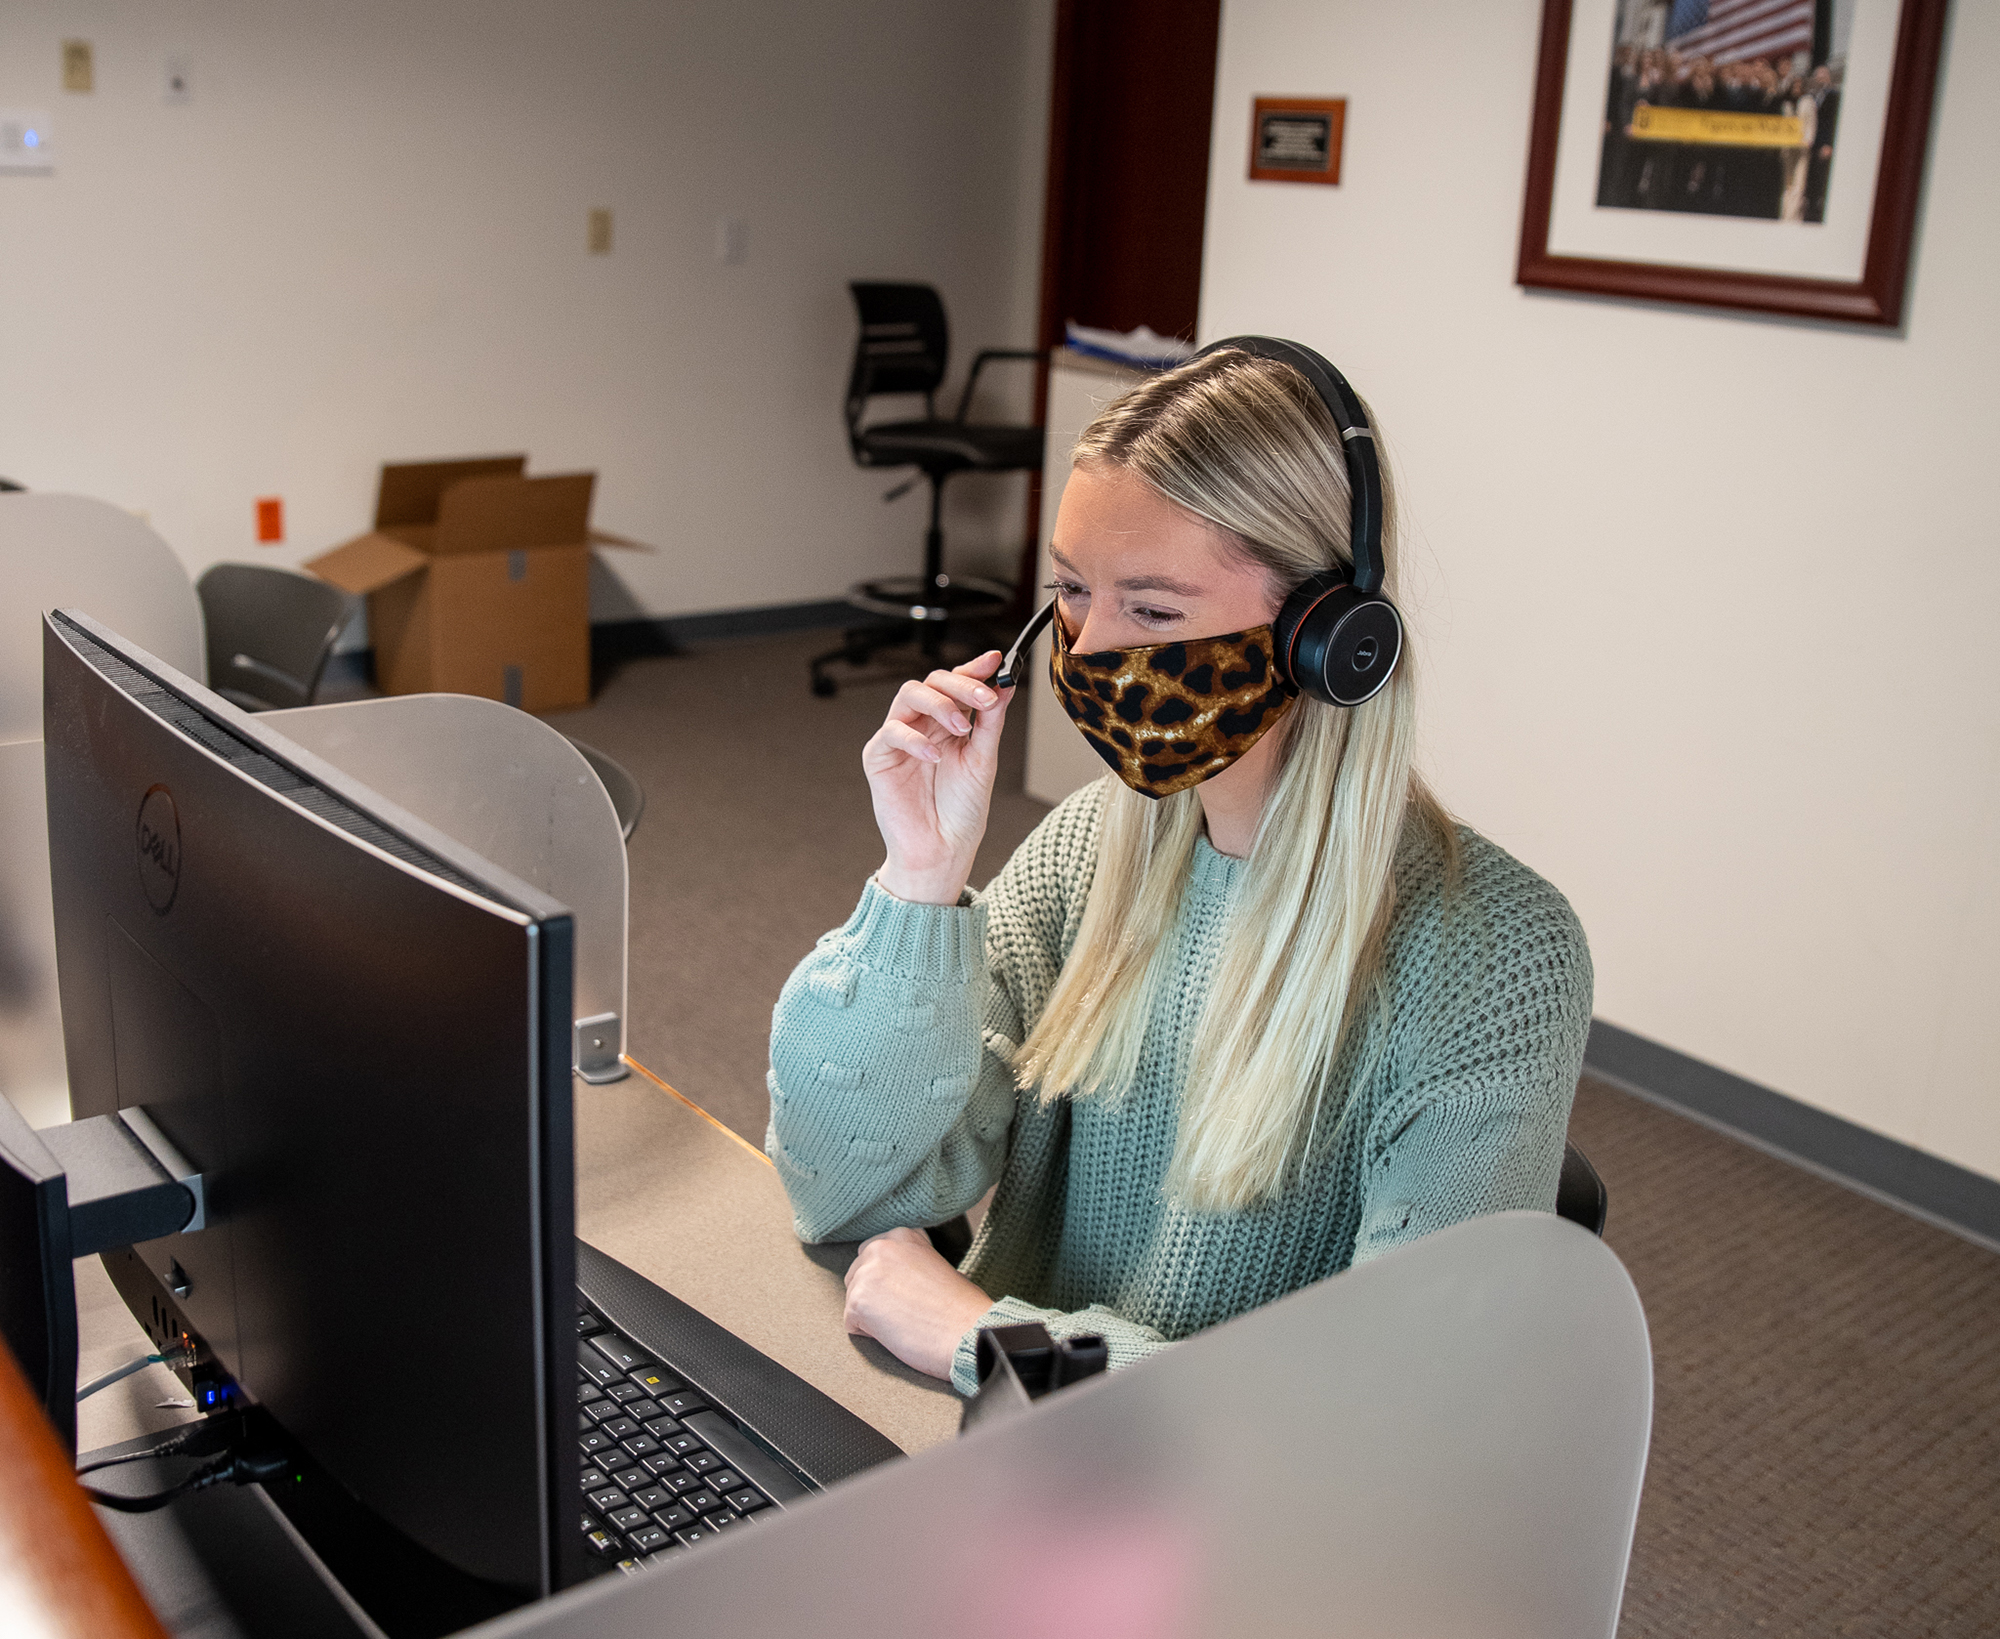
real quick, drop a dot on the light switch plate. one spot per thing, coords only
(25, 147)
(599, 237)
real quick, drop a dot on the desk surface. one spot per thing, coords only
(668, 1193)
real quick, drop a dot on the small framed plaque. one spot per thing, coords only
(1296, 139)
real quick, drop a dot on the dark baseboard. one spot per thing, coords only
(1938, 1191)
(615, 640)
(612, 642)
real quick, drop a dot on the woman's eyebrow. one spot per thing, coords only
(1136, 583)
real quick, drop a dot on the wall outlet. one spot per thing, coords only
(599, 238)
(79, 69)
(732, 241)
(25, 149)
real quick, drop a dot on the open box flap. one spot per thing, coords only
(369, 562)
(410, 490)
(513, 514)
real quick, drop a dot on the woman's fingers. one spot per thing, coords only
(910, 740)
(961, 685)
(919, 701)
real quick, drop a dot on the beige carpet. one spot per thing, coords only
(1826, 1451)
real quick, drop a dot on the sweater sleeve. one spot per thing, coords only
(1479, 1123)
(1126, 1340)
(891, 1081)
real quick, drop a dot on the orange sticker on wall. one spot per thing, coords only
(270, 520)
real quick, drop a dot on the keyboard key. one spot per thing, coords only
(702, 1502)
(607, 1497)
(721, 1521)
(642, 1409)
(690, 1536)
(594, 1442)
(661, 1427)
(629, 1519)
(703, 1461)
(602, 1410)
(640, 1445)
(586, 1323)
(587, 1391)
(663, 1463)
(747, 1501)
(675, 1515)
(683, 1403)
(594, 1366)
(622, 1391)
(632, 1567)
(681, 1481)
(618, 1428)
(583, 1424)
(591, 1477)
(722, 1481)
(600, 1543)
(655, 1380)
(681, 1444)
(654, 1497)
(610, 1460)
(648, 1538)
(622, 1352)
(630, 1479)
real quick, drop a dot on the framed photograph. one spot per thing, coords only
(1755, 154)
(1296, 139)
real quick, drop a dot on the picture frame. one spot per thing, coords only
(1297, 139)
(1692, 238)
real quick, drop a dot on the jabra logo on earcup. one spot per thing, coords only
(1366, 653)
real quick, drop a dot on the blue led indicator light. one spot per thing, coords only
(32, 139)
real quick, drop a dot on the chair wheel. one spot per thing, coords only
(825, 687)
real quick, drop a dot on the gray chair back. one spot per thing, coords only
(628, 797)
(270, 632)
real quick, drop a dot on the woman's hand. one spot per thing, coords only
(906, 1297)
(930, 775)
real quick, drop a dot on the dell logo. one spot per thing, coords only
(159, 848)
(1366, 653)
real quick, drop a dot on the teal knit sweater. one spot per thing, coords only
(892, 1100)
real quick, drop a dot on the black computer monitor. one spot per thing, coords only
(360, 1033)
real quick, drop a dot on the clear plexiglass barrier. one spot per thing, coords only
(1446, 1442)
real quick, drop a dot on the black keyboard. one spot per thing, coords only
(663, 1470)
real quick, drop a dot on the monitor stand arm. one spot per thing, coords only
(65, 1192)
(127, 1182)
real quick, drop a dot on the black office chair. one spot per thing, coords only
(902, 350)
(270, 632)
(1580, 1195)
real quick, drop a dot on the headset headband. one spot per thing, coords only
(1357, 443)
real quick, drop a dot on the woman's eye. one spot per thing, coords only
(1065, 589)
(1157, 617)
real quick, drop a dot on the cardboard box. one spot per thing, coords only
(478, 581)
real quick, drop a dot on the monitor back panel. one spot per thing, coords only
(358, 1058)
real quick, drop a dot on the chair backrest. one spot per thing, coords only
(270, 631)
(621, 785)
(1580, 1193)
(902, 348)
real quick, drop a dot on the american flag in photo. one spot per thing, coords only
(1727, 31)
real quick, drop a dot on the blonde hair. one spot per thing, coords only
(1245, 445)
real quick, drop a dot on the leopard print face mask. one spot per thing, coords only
(1170, 715)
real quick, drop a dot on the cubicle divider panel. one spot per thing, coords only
(508, 787)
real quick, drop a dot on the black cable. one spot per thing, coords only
(223, 1468)
(165, 1449)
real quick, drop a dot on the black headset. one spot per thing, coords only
(1338, 637)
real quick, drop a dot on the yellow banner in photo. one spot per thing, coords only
(1651, 124)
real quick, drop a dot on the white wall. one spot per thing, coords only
(364, 239)
(1706, 604)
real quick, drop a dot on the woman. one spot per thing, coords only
(1213, 1044)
